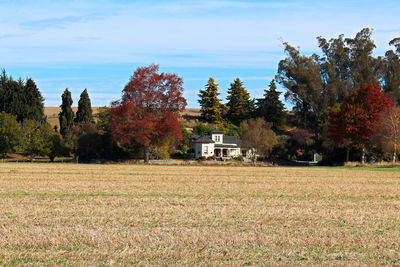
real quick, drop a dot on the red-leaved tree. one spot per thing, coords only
(149, 110)
(358, 117)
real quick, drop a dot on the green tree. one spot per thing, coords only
(390, 71)
(66, 116)
(84, 113)
(33, 102)
(272, 109)
(10, 133)
(36, 138)
(240, 106)
(210, 103)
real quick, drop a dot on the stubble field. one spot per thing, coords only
(185, 215)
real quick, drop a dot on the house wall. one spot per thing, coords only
(217, 138)
(199, 150)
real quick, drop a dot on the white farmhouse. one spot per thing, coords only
(217, 144)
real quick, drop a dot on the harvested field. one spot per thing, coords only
(185, 215)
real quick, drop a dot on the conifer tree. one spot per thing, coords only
(210, 103)
(33, 102)
(84, 113)
(66, 116)
(271, 108)
(240, 106)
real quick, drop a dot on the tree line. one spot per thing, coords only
(344, 106)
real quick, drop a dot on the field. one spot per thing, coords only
(73, 214)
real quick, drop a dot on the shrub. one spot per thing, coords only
(239, 158)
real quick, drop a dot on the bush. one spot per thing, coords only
(211, 157)
(202, 158)
(239, 158)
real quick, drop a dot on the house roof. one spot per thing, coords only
(231, 140)
(201, 139)
(217, 132)
(225, 146)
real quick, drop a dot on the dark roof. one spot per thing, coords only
(217, 132)
(202, 139)
(231, 140)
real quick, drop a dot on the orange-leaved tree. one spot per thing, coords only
(148, 112)
(358, 117)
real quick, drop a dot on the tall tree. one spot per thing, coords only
(358, 118)
(390, 71)
(66, 116)
(33, 100)
(149, 111)
(210, 103)
(271, 108)
(84, 113)
(10, 133)
(240, 106)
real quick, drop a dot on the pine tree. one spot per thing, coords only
(240, 106)
(271, 108)
(33, 102)
(66, 116)
(84, 113)
(210, 103)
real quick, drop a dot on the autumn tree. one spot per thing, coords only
(257, 136)
(358, 117)
(271, 108)
(149, 110)
(84, 112)
(240, 106)
(210, 103)
(66, 115)
(387, 134)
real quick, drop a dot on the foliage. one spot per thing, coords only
(231, 129)
(257, 134)
(358, 117)
(148, 113)
(210, 103)
(84, 112)
(387, 134)
(315, 83)
(103, 121)
(390, 71)
(21, 98)
(271, 108)
(202, 129)
(240, 106)
(10, 133)
(36, 138)
(66, 115)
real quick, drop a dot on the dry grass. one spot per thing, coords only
(186, 215)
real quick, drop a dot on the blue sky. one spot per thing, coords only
(98, 44)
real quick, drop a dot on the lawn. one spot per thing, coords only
(77, 214)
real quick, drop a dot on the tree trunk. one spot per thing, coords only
(347, 154)
(363, 155)
(146, 154)
(394, 153)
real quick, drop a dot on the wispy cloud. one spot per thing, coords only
(61, 23)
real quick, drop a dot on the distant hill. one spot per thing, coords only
(52, 113)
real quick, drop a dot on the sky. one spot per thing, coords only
(98, 44)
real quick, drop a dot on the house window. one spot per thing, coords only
(205, 149)
(217, 138)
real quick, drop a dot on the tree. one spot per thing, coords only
(210, 103)
(10, 133)
(387, 134)
(317, 82)
(84, 113)
(149, 111)
(390, 71)
(66, 116)
(21, 98)
(36, 138)
(271, 108)
(257, 136)
(33, 102)
(356, 121)
(240, 106)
